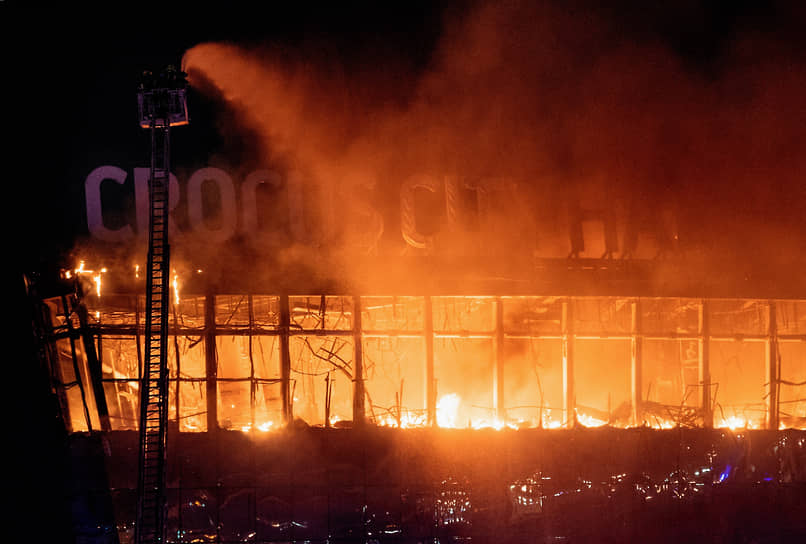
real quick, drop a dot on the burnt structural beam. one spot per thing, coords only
(285, 360)
(569, 394)
(359, 403)
(211, 361)
(636, 363)
(252, 380)
(430, 383)
(772, 370)
(704, 345)
(48, 352)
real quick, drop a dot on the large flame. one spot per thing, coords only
(448, 410)
(464, 369)
(736, 422)
(82, 270)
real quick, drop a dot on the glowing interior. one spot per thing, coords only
(486, 361)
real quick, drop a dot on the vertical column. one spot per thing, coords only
(569, 395)
(93, 363)
(636, 363)
(285, 360)
(359, 412)
(76, 368)
(211, 362)
(252, 381)
(430, 384)
(772, 370)
(46, 327)
(498, 363)
(704, 343)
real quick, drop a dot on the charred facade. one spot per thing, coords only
(332, 417)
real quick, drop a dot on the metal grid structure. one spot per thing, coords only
(255, 362)
(239, 361)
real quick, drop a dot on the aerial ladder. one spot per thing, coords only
(162, 104)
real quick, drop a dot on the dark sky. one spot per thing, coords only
(72, 70)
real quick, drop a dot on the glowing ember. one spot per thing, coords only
(552, 424)
(389, 358)
(589, 421)
(736, 422)
(175, 284)
(408, 420)
(97, 280)
(447, 410)
(96, 276)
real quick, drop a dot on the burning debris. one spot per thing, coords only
(530, 127)
(383, 485)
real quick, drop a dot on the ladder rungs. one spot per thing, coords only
(155, 374)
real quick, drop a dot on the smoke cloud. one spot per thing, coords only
(574, 112)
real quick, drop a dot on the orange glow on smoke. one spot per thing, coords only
(175, 282)
(264, 427)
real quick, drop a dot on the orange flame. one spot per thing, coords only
(447, 410)
(175, 284)
(96, 276)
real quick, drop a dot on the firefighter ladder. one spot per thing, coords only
(150, 526)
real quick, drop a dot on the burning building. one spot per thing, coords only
(404, 416)
(458, 316)
(244, 361)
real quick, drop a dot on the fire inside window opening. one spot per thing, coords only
(256, 363)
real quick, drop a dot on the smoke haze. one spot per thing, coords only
(582, 111)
